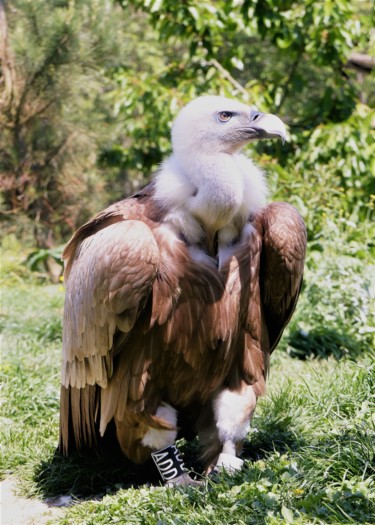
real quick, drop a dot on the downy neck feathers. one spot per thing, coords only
(209, 194)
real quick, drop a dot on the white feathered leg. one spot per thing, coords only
(232, 412)
(158, 439)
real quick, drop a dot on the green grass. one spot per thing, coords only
(30, 346)
(311, 460)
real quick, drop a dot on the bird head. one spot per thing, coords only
(221, 125)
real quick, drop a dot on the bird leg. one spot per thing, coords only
(166, 455)
(232, 411)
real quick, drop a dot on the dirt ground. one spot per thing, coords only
(16, 510)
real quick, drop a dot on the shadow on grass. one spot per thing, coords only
(85, 474)
(275, 436)
(322, 343)
(88, 473)
(92, 473)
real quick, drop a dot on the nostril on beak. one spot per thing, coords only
(255, 115)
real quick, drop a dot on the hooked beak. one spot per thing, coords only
(266, 126)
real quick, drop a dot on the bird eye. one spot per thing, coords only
(224, 116)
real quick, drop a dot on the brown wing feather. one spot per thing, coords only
(282, 262)
(277, 252)
(255, 352)
(110, 277)
(110, 280)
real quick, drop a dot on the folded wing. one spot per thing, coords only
(111, 273)
(282, 262)
(277, 252)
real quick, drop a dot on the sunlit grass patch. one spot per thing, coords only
(29, 372)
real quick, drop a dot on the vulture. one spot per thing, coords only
(177, 296)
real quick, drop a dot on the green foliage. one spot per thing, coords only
(13, 271)
(285, 56)
(324, 29)
(330, 177)
(96, 88)
(336, 310)
(51, 112)
(20, 265)
(47, 262)
(339, 296)
(36, 259)
(347, 152)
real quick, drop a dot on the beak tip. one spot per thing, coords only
(271, 126)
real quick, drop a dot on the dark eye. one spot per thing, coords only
(224, 116)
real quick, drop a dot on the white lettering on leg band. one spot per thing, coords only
(168, 462)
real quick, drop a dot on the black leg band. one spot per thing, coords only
(169, 463)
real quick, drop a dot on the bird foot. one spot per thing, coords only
(229, 463)
(184, 481)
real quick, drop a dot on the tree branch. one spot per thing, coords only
(225, 74)
(361, 62)
(7, 68)
(37, 112)
(58, 149)
(49, 59)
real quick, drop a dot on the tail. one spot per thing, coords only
(78, 414)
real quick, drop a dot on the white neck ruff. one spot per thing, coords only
(213, 194)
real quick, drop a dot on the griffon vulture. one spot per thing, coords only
(177, 296)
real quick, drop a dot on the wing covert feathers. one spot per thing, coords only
(109, 282)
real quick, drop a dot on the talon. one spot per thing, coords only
(184, 481)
